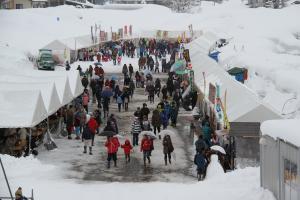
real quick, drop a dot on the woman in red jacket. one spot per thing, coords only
(127, 148)
(146, 148)
(112, 144)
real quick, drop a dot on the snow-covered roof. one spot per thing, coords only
(61, 82)
(73, 43)
(21, 108)
(287, 130)
(243, 105)
(48, 92)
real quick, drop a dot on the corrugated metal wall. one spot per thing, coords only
(280, 171)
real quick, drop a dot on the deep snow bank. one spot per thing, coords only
(48, 184)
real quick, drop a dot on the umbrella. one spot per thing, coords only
(166, 132)
(114, 77)
(95, 77)
(107, 93)
(98, 63)
(181, 72)
(218, 148)
(149, 133)
(107, 133)
(178, 65)
(147, 71)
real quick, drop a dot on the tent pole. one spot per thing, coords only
(29, 146)
(6, 179)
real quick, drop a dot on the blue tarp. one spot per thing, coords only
(214, 55)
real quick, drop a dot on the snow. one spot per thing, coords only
(214, 169)
(21, 108)
(47, 183)
(287, 130)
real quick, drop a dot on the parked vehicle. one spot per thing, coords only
(45, 60)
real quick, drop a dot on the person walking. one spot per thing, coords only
(130, 69)
(144, 111)
(85, 100)
(168, 148)
(112, 144)
(70, 121)
(146, 149)
(119, 102)
(201, 163)
(93, 125)
(146, 124)
(127, 148)
(157, 86)
(135, 131)
(87, 134)
(125, 70)
(156, 121)
(173, 113)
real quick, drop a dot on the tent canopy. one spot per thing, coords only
(243, 105)
(73, 43)
(21, 108)
(48, 92)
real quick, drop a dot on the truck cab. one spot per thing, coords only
(45, 60)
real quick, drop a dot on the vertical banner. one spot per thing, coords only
(92, 34)
(186, 55)
(130, 30)
(102, 36)
(125, 30)
(158, 34)
(204, 82)
(165, 34)
(212, 93)
(191, 30)
(120, 32)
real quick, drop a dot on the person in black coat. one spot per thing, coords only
(130, 69)
(144, 111)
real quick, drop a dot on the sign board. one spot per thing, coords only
(212, 93)
(186, 55)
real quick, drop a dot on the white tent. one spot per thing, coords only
(48, 92)
(21, 109)
(72, 75)
(61, 83)
(243, 105)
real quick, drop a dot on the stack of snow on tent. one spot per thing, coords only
(231, 106)
(28, 98)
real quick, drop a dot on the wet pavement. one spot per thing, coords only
(94, 167)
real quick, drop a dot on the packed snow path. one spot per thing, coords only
(86, 167)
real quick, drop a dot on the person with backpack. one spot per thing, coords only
(127, 148)
(146, 148)
(167, 148)
(112, 144)
(201, 163)
(87, 133)
(146, 124)
(135, 131)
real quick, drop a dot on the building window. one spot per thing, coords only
(19, 6)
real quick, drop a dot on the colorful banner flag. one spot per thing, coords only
(158, 34)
